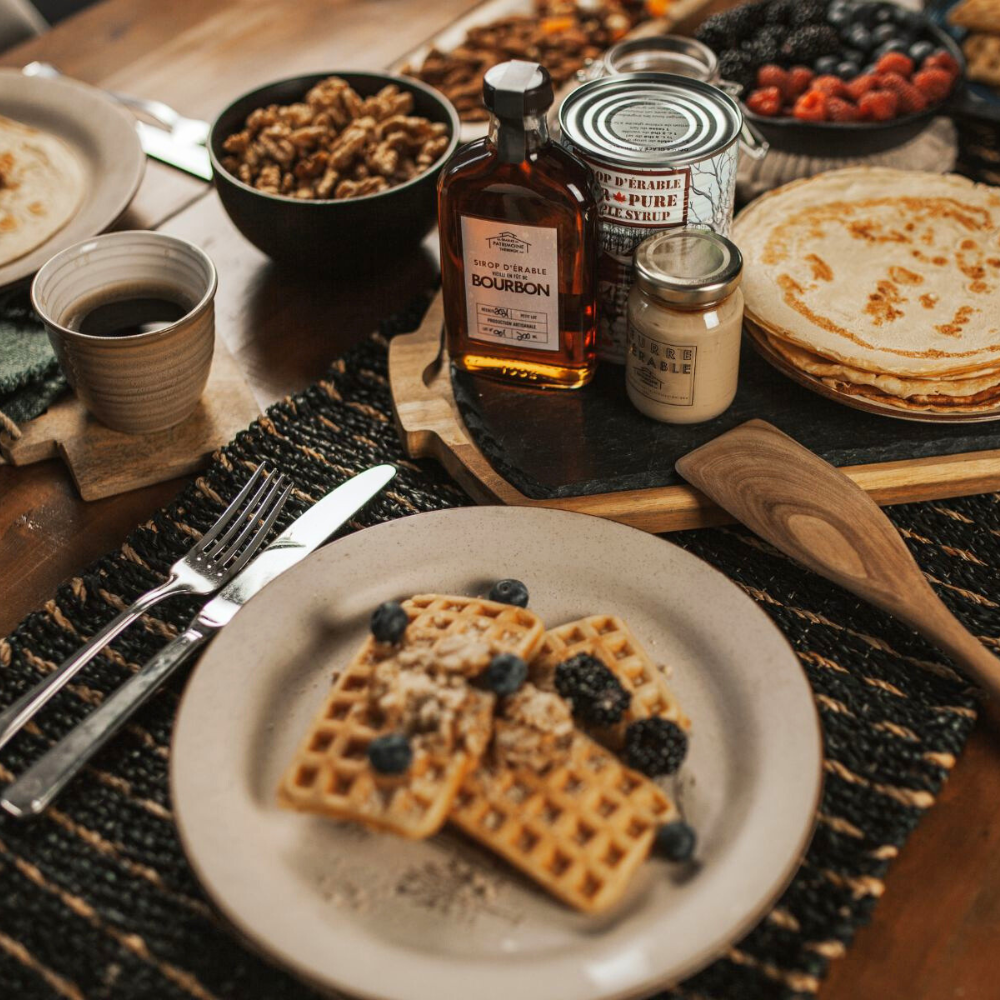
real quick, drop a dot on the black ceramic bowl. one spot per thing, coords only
(792, 135)
(346, 234)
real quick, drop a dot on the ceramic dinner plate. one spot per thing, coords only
(102, 136)
(379, 916)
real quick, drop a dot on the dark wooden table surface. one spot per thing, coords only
(936, 930)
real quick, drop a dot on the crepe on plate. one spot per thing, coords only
(41, 188)
(882, 283)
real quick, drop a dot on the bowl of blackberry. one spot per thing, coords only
(835, 77)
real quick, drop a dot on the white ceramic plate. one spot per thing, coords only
(383, 917)
(101, 134)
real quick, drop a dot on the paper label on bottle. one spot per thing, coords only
(661, 371)
(511, 283)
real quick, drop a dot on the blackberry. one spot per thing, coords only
(675, 841)
(506, 673)
(714, 32)
(389, 622)
(806, 45)
(779, 12)
(765, 46)
(509, 592)
(655, 746)
(808, 12)
(593, 690)
(726, 30)
(737, 68)
(390, 754)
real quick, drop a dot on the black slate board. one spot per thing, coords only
(565, 444)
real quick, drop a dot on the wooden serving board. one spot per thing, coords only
(104, 462)
(954, 461)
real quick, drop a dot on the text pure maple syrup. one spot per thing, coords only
(518, 221)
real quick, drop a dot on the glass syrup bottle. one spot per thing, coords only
(518, 221)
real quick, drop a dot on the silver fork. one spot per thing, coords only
(208, 565)
(189, 130)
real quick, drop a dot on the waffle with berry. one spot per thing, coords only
(614, 651)
(836, 61)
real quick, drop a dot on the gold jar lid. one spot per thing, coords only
(688, 267)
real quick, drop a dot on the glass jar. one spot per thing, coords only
(685, 319)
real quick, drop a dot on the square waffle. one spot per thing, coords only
(609, 639)
(330, 773)
(579, 827)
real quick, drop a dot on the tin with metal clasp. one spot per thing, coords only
(664, 150)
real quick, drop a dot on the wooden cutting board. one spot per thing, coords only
(586, 450)
(104, 462)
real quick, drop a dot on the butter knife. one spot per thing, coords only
(166, 148)
(29, 794)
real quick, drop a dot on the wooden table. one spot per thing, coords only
(934, 933)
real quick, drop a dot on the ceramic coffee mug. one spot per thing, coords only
(147, 381)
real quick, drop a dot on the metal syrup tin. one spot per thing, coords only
(664, 150)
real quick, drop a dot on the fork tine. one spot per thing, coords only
(220, 545)
(255, 543)
(253, 516)
(227, 515)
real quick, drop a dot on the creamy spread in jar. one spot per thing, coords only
(685, 320)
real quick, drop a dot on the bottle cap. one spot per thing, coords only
(688, 267)
(517, 88)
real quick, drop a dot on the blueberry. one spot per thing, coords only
(390, 754)
(919, 51)
(838, 15)
(506, 673)
(675, 841)
(852, 55)
(847, 70)
(893, 45)
(509, 592)
(883, 15)
(883, 33)
(389, 622)
(825, 65)
(860, 38)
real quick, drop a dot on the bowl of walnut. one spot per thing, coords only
(334, 171)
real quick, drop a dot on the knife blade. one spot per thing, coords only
(29, 794)
(162, 146)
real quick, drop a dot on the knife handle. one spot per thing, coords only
(46, 778)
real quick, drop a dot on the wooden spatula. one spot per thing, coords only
(807, 509)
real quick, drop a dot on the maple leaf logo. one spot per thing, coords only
(619, 196)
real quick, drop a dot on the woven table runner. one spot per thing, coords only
(98, 902)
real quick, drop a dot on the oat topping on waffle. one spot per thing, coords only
(535, 729)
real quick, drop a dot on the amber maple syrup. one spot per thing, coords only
(518, 219)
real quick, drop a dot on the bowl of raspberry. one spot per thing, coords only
(836, 77)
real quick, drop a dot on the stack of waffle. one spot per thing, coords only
(514, 772)
(982, 45)
(882, 284)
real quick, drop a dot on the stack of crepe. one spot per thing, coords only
(880, 283)
(41, 188)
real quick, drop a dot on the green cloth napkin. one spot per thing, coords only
(30, 379)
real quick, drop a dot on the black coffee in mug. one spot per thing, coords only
(127, 310)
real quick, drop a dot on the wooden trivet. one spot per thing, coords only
(104, 462)
(430, 425)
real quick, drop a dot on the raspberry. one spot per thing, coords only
(878, 105)
(839, 110)
(934, 84)
(861, 85)
(911, 100)
(811, 107)
(891, 81)
(942, 60)
(895, 62)
(655, 746)
(766, 101)
(596, 695)
(772, 76)
(832, 86)
(799, 78)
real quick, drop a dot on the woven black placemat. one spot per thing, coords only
(98, 902)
